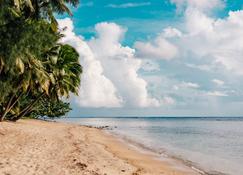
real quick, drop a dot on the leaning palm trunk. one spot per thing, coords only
(10, 105)
(28, 108)
(6, 109)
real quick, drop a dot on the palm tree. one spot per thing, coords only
(67, 71)
(33, 80)
(27, 65)
(44, 9)
(62, 63)
(21, 56)
(40, 7)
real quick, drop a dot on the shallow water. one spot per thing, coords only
(213, 144)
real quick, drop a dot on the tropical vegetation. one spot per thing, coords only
(37, 73)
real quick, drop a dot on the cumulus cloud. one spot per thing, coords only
(206, 46)
(197, 22)
(217, 39)
(159, 48)
(198, 4)
(121, 65)
(96, 90)
(171, 32)
(110, 77)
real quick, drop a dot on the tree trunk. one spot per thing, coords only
(6, 110)
(27, 108)
(10, 105)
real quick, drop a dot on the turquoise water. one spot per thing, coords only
(213, 144)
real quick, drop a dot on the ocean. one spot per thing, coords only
(212, 144)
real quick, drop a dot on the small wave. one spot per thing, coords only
(163, 154)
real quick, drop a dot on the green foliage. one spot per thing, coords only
(50, 108)
(65, 67)
(36, 72)
(23, 54)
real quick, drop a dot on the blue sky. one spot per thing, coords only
(158, 57)
(138, 17)
(143, 18)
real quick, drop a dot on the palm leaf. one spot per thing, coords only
(20, 65)
(29, 5)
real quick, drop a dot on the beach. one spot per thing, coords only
(41, 147)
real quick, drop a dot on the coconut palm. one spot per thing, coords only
(29, 69)
(20, 49)
(64, 71)
(67, 71)
(34, 80)
(43, 9)
(21, 59)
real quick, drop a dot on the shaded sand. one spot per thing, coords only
(31, 147)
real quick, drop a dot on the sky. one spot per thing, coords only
(158, 57)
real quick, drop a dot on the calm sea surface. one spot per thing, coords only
(213, 144)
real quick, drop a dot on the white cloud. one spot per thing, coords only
(198, 4)
(197, 22)
(160, 48)
(218, 82)
(215, 39)
(168, 101)
(120, 65)
(217, 94)
(171, 32)
(212, 45)
(110, 77)
(189, 85)
(129, 5)
(96, 90)
(218, 42)
(203, 67)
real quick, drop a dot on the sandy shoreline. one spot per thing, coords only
(38, 147)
